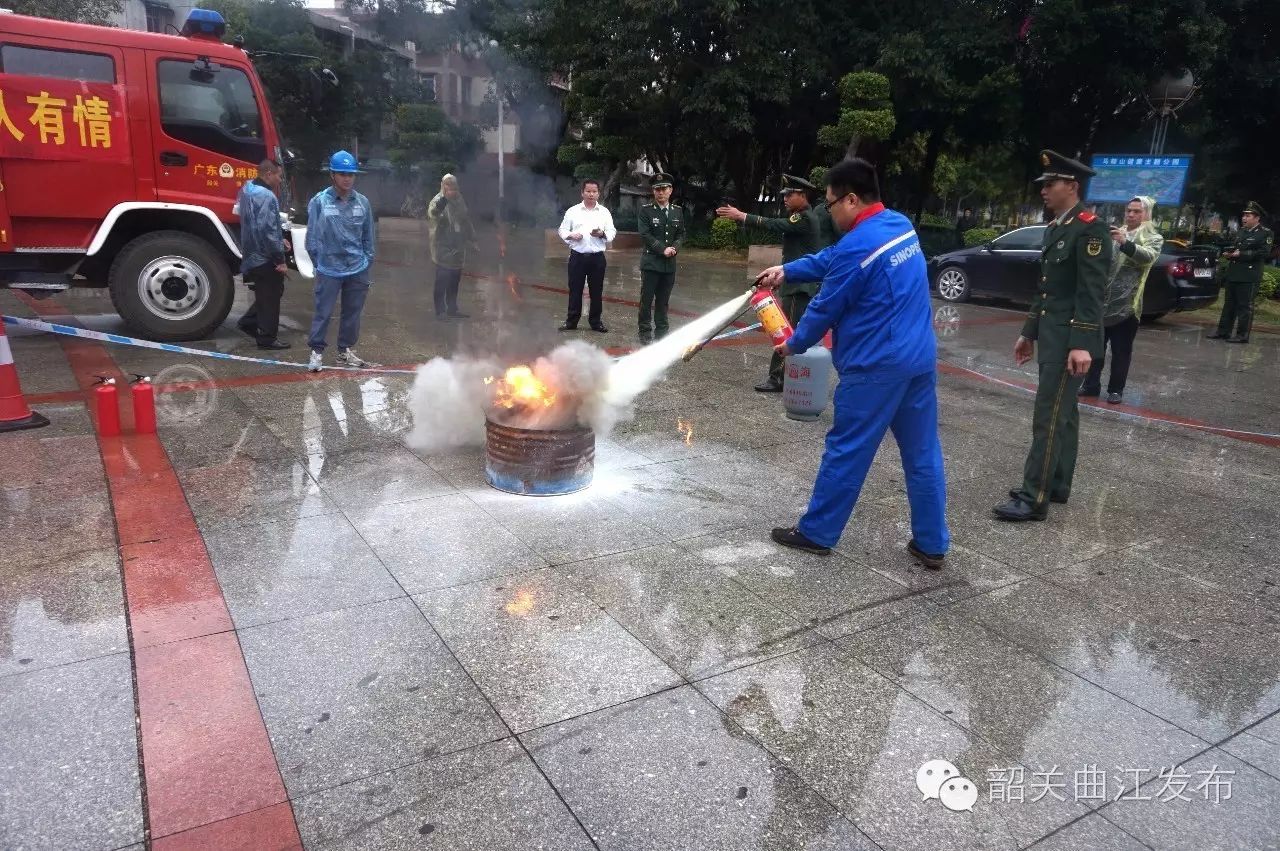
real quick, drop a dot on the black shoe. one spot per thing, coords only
(929, 560)
(1018, 510)
(599, 328)
(567, 327)
(792, 538)
(251, 330)
(275, 345)
(769, 386)
(645, 339)
(1217, 335)
(442, 317)
(1014, 493)
(1089, 392)
(1237, 339)
(458, 314)
(1115, 398)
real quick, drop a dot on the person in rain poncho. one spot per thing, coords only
(450, 232)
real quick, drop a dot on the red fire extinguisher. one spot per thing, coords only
(771, 316)
(107, 402)
(144, 405)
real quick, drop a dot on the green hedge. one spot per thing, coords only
(724, 234)
(978, 236)
(1270, 283)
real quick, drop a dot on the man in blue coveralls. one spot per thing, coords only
(340, 242)
(875, 301)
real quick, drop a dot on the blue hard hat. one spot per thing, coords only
(343, 163)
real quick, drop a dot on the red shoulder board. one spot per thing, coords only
(1087, 217)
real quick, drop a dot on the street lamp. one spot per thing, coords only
(1165, 97)
(497, 88)
(355, 139)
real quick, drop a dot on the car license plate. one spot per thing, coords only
(1203, 273)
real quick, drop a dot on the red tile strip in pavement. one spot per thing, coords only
(205, 753)
(1131, 410)
(260, 830)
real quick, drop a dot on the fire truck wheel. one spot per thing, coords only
(171, 286)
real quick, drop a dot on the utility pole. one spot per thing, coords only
(351, 56)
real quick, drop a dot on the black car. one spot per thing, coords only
(1009, 267)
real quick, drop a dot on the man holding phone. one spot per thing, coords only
(1066, 319)
(587, 229)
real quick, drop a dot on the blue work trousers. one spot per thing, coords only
(863, 413)
(353, 289)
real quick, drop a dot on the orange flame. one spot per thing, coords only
(685, 427)
(513, 281)
(519, 387)
(522, 604)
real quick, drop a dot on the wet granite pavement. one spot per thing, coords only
(637, 666)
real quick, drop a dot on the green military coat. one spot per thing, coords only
(826, 227)
(660, 229)
(1066, 312)
(1255, 248)
(801, 235)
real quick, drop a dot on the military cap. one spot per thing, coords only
(1058, 167)
(791, 183)
(659, 180)
(1255, 208)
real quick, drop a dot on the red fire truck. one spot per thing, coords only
(121, 154)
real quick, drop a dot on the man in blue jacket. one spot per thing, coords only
(262, 254)
(340, 242)
(875, 301)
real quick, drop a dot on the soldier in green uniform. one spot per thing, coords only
(662, 229)
(1244, 272)
(801, 235)
(1066, 320)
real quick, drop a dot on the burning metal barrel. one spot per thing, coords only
(537, 462)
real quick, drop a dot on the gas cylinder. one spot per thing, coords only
(107, 402)
(806, 383)
(144, 405)
(773, 320)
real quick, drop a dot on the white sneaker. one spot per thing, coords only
(350, 358)
(316, 363)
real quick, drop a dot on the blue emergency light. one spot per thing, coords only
(204, 23)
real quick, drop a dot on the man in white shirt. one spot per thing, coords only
(587, 229)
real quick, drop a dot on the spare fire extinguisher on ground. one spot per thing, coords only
(144, 405)
(773, 320)
(107, 402)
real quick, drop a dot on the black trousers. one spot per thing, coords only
(264, 313)
(446, 291)
(1120, 338)
(588, 269)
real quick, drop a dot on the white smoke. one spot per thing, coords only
(451, 398)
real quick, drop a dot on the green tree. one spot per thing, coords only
(81, 11)
(1235, 111)
(428, 145)
(866, 113)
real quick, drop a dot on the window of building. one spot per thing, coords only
(465, 95)
(159, 18)
(58, 64)
(211, 109)
(429, 83)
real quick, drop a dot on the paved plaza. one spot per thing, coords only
(277, 626)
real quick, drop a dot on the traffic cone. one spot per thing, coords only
(14, 413)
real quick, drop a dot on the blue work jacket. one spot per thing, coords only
(339, 233)
(261, 237)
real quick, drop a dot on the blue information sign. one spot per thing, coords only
(1122, 176)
